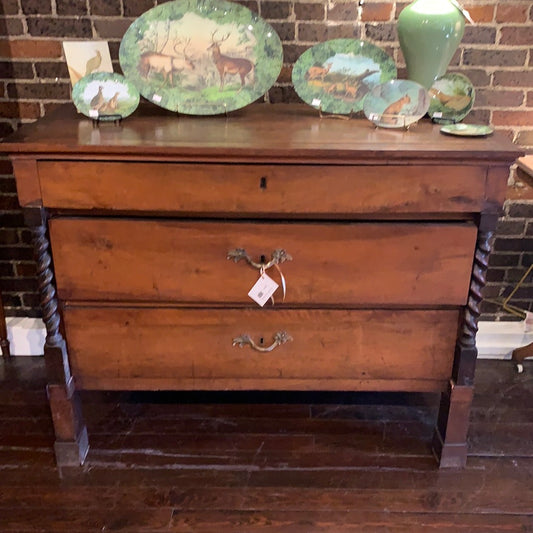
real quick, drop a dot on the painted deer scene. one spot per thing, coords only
(215, 60)
(345, 77)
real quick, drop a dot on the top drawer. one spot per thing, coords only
(285, 189)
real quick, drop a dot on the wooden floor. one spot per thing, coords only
(266, 462)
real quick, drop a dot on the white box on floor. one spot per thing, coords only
(26, 335)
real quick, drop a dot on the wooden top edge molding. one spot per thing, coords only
(277, 132)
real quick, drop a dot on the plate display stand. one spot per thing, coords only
(397, 121)
(324, 114)
(116, 119)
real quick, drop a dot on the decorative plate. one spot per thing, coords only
(396, 103)
(452, 98)
(334, 76)
(105, 96)
(467, 130)
(201, 57)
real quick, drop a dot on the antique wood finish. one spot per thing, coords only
(193, 349)
(266, 189)
(72, 443)
(427, 264)
(381, 227)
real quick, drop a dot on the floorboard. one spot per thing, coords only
(266, 462)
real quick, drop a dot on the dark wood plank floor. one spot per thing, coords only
(279, 462)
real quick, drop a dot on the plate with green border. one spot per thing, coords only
(335, 76)
(105, 96)
(452, 98)
(201, 57)
(467, 130)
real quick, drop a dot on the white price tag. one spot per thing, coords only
(93, 113)
(157, 99)
(316, 102)
(437, 114)
(263, 289)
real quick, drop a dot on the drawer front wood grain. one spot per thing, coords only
(193, 349)
(262, 189)
(332, 264)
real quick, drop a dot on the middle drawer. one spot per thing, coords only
(350, 264)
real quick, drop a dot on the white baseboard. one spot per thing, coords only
(495, 340)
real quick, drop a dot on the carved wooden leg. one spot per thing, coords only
(4, 343)
(449, 440)
(71, 444)
(520, 354)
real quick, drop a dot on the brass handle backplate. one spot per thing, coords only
(281, 337)
(278, 256)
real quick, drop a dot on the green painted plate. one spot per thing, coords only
(335, 76)
(105, 96)
(396, 103)
(467, 130)
(452, 98)
(201, 57)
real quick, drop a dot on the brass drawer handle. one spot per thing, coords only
(278, 256)
(281, 337)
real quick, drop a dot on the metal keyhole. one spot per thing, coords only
(263, 259)
(263, 182)
(261, 340)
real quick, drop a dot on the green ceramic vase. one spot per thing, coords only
(429, 32)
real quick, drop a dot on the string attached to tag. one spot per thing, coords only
(283, 282)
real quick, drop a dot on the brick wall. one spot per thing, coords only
(496, 54)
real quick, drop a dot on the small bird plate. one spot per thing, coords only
(105, 96)
(452, 98)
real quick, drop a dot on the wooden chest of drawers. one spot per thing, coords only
(381, 236)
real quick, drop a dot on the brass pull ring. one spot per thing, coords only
(278, 256)
(281, 337)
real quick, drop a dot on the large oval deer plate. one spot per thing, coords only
(201, 57)
(335, 76)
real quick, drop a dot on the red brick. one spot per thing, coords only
(514, 12)
(516, 35)
(343, 12)
(512, 118)
(5, 166)
(377, 12)
(9, 202)
(20, 110)
(30, 48)
(481, 13)
(112, 28)
(525, 138)
(499, 98)
(309, 11)
(529, 101)
(492, 57)
(285, 76)
(25, 270)
(59, 27)
(514, 78)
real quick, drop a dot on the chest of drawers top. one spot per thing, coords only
(302, 164)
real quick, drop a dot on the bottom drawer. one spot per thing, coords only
(154, 349)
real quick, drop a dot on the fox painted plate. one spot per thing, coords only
(396, 103)
(201, 57)
(335, 76)
(105, 96)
